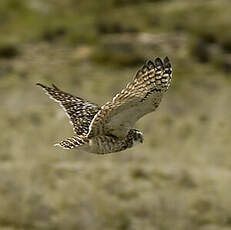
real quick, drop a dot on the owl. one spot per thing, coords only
(109, 128)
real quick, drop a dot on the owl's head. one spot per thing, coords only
(136, 137)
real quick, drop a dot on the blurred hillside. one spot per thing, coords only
(180, 178)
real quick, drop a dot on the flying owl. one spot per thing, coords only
(109, 128)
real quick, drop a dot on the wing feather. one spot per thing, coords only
(80, 111)
(141, 96)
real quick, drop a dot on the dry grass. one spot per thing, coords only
(178, 179)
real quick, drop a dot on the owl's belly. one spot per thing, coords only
(106, 144)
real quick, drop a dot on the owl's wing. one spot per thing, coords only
(80, 111)
(141, 96)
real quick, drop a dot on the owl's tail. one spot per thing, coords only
(72, 142)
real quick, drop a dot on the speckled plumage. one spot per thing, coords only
(80, 111)
(109, 128)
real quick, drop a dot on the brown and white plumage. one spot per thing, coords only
(109, 128)
(80, 111)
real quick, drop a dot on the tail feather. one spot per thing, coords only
(72, 142)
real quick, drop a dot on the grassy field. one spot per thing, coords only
(179, 179)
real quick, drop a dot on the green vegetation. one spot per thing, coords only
(180, 178)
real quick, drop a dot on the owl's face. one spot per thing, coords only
(137, 137)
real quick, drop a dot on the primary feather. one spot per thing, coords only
(141, 96)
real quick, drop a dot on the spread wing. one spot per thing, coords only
(80, 111)
(141, 96)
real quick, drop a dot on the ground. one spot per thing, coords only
(179, 178)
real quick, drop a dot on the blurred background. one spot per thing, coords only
(180, 178)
